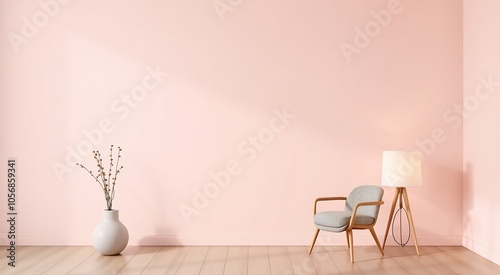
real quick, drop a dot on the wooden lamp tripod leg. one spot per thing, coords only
(391, 214)
(403, 194)
(412, 226)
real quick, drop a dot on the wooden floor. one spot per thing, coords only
(235, 260)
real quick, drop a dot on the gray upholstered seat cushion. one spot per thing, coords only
(338, 221)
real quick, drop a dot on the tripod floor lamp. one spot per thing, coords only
(401, 169)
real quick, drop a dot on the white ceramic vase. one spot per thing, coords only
(110, 236)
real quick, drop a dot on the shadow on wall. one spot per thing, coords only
(162, 236)
(163, 233)
(470, 231)
(468, 202)
(436, 208)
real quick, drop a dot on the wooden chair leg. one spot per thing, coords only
(314, 240)
(376, 240)
(347, 236)
(351, 246)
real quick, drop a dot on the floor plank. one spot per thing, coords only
(301, 261)
(193, 261)
(21, 255)
(166, 261)
(215, 261)
(140, 261)
(458, 268)
(100, 264)
(33, 261)
(237, 260)
(258, 261)
(279, 260)
(253, 260)
(391, 267)
(322, 261)
(412, 265)
(433, 265)
(113, 264)
(73, 258)
(366, 253)
(468, 258)
(343, 262)
(370, 267)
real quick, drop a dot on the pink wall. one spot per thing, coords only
(481, 135)
(283, 101)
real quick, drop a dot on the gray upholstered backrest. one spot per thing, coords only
(365, 193)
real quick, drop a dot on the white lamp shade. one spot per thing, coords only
(401, 168)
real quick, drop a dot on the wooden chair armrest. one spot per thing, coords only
(327, 199)
(368, 203)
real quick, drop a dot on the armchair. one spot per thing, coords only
(360, 212)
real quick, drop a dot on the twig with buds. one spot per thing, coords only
(106, 181)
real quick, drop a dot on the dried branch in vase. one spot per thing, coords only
(106, 181)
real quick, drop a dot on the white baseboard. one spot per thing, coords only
(481, 249)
